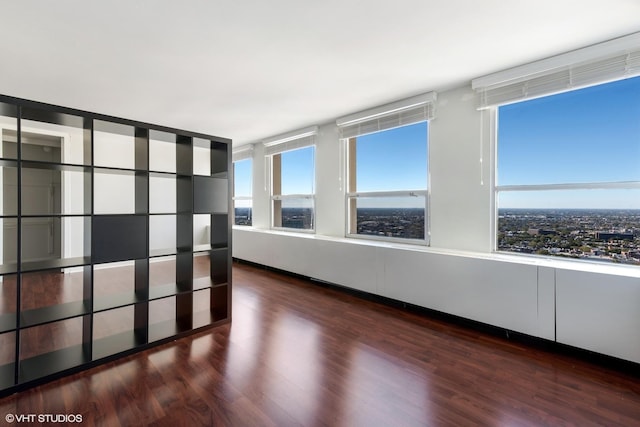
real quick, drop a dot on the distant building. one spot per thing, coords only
(601, 235)
(541, 232)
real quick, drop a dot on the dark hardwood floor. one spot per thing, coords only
(300, 354)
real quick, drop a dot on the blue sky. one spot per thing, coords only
(242, 177)
(393, 160)
(588, 135)
(298, 171)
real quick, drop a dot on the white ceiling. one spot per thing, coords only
(250, 69)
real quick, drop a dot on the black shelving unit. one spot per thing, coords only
(102, 286)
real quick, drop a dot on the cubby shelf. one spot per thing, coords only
(43, 365)
(116, 343)
(102, 218)
(53, 313)
(7, 322)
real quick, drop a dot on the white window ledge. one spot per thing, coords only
(542, 261)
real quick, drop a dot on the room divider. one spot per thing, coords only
(116, 236)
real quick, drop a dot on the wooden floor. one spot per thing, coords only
(300, 354)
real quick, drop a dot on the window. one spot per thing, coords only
(242, 191)
(568, 174)
(386, 185)
(292, 159)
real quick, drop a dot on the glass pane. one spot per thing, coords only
(298, 173)
(113, 145)
(162, 151)
(587, 135)
(399, 217)
(243, 178)
(599, 225)
(243, 212)
(392, 160)
(297, 213)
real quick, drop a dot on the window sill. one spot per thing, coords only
(542, 261)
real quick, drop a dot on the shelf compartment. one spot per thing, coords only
(162, 271)
(201, 156)
(210, 195)
(162, 235)
(9, 245)
(7, 357)
(115, 344)
(162, 319)
(50, 242)
(118, 330)
(162, 194)
(116, 301)
(219, 231)
(7, 375)
(55, 263)
(7, 322)
(202, 315)
(162, 151)
(53, 362)
(7, 348)
(202, 271)
(42, 127)
(220, 159)
(40, 316)
(161, 253)
(119, 238)
(55, 189)
(9, 190)
(51, 295)
(53, 347)
(8, 133)
(8, 302)
(8, 268)
(163, 291)
(114, 145)
(220, 303)
(114, 191)
(119, 284)
(220, 266)
(201, 231)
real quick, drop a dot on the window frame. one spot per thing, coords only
(275, 200)
(351, 196)
(234, 197)
(514, 188)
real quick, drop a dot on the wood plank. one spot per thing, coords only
(298, 353)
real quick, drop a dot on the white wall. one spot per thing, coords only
(591, 307)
